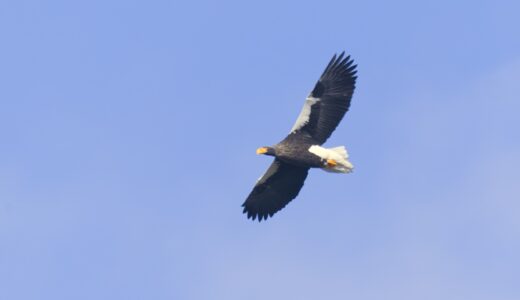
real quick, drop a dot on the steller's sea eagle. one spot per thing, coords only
(301, 149)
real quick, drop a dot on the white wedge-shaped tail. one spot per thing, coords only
(338, 154)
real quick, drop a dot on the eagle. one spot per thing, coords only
(302, 149)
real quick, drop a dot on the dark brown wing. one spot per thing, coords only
(329, 100)
(277, 187)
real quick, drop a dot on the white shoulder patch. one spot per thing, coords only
(303, 118)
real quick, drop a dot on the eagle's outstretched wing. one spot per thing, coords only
(329, 100)
(278, 186)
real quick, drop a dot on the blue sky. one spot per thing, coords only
(129, 131)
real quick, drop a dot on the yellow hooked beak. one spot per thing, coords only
(261, 150)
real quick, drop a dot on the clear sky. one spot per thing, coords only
(129, 131)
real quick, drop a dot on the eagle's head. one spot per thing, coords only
(266, 150)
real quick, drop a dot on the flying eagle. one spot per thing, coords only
(301, 149)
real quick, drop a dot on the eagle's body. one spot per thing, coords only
(294, 150)
(301, 149)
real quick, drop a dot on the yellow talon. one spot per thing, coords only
(331, 163)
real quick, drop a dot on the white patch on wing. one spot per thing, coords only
(339, 154)
(303, 118)
(273, 165)
(260, 178)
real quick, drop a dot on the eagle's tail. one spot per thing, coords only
(338, 155)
